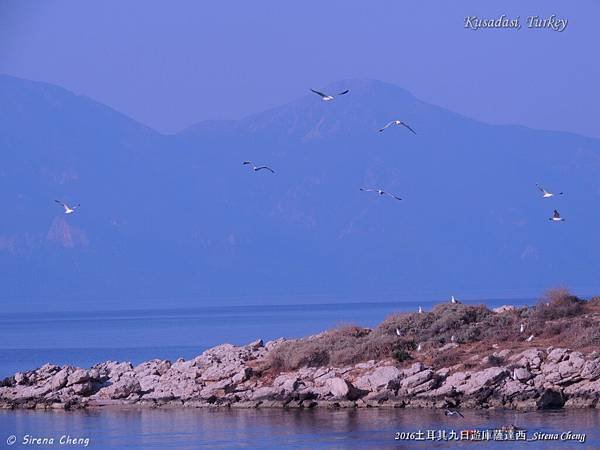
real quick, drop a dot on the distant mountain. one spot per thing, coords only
(179, 218)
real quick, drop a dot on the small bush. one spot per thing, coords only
(401, 355)
(495, 361)
(557, 304)
(445, 359)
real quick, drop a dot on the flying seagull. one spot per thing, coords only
(380, 192)
(326, 97)
(530, 338)
(68, 209)
(556, 217)
(545, 193)
(453, 412)
(257, 168)
(522, 328)
(397, 122)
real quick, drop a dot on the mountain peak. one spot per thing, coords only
(369, 105)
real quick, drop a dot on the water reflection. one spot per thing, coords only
(272, 429)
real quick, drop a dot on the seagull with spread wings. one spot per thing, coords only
(545, 193)
(556, 217)
(257, 168)
(397, 122)
(326, 97)
(453, 412)
(380, 192)
(68, 209)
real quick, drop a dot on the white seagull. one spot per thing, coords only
(68, 209)
(419, 347)
(420, 310)
(453, 338)
(453, 412)
(380, 192)
(326, 97)
(530, 338)
(397, 122)
(545, 193)
(556, 217)
(398, 332)
(522, 328)
(257, 168)
(453, 300)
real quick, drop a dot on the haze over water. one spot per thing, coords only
(86, 338)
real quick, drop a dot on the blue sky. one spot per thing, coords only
(171, 64)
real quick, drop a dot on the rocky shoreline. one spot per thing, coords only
(240, 377)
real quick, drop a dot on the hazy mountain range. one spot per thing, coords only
(177, 218)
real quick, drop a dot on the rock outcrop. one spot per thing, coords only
(240, 377)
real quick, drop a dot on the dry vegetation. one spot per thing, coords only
(559, 319)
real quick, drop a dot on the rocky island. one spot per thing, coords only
(461, 356)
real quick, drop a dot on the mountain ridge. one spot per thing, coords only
(160, 211)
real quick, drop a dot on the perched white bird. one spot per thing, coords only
(380, 192)
(453, 338)
(530, 338)
(68, 209)
(556, 217)
(545, 193)
(326, 97)
(396, 122)
(452, 412)
(453, 300)
(257, 168)
(398, 332)
(419, 347)
(420, 310)
(521, 328)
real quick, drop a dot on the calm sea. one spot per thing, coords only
(82, 339)
(184, 429)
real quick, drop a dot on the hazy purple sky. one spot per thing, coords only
(171, 64)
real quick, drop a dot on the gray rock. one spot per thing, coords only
(591, 369)
(20, 378)
(415, 368)
(254, 345)
(59, 380)
(531, 358)
(415, 380)
(522, 374)
(557, 355)
(83, 388)
(244, 374)
(383, 376)
(483, 379)
(265, 392)
(337, 387)
(121, 389)
(78, 376)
